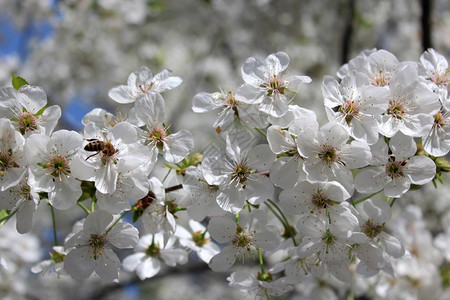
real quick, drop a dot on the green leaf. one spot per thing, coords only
(17, 81)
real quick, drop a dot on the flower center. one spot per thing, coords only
(58, 165)
(274, 86)
(152, 250)
(199, 239)
(396, 109)
(381, 79)
(439, 79)
(57, 257)
(328, 238)
(242, 239)
(145, 88)
(97, 243)
(320, 200)
(329, 154)
(157, 137)
(372, 230)
(350, 110)
(115, 119)
(394, 169)
(6, 162)
(241, 172)
(27, 122)
(439, 120)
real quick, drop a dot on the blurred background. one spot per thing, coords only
(79, 49)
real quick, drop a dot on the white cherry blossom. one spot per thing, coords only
(433, 68)
(397, 171)
(50, 159)
(250, 284)
(411, 105)
(12, 159)
(198, 240)
(331, 244)
(100, 164)
(437, 141)
(149, 113)
(150, 251)
(90, 248)
(251, 233)
(322, 200)
(354, 106)
(240, 176)
(26, 108)
(143, 82)
(328, 156)
(231, 110)
(23, 199)
(266, 84)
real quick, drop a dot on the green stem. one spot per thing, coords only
(261, 261)
(55, 237)
(283, 220)
(117, 221)
(237, 219)
(281, 213)
(165, 177)
(93, 205)
(393, 201)
(83, 207)
(365, 198)
(262, 132)
(276, 214)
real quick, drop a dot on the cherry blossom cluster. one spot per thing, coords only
(278, 185)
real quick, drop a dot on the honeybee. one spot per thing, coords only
(106, 148)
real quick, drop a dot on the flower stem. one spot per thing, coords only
(83, 207)
(261, 261)
(282, 218)
(165, 177)
(281, 213)
(117, 221)
(262, 132)
(55, 237)
(275, 213)
(393, 201)
(365, 198)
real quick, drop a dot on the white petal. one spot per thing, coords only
(148, 268)
(370, 181)
(420, 169)
(203, 102)
(78, 264)
(121, 94)
(222, 229)
(223, 260)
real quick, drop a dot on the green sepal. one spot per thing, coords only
(4, 214)
(442, 164)
(88, 189)
(18, 81)
(181, 167)
(43, 195)
(137, 214)
(40, 112)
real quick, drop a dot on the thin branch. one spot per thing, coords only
(425, 20)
